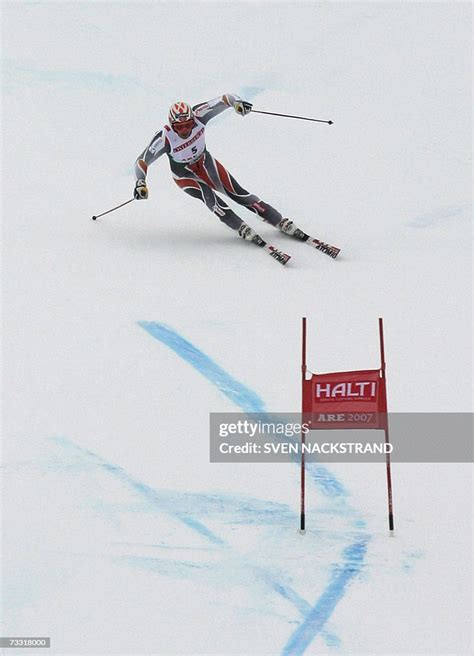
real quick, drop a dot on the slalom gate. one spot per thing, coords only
(345, 400)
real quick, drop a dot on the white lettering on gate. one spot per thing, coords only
(346, 390)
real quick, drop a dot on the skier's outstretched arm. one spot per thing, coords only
(157, 147)
(212, 108)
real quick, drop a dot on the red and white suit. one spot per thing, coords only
(198, 173)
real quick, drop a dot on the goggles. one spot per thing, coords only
(183, 126)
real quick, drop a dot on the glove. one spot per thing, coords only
(141, 191)
(242, 107)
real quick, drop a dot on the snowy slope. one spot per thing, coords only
(119, 536)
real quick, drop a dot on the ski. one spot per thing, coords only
(277, 255)
(289, 228)
(332, 251)
(247, 233)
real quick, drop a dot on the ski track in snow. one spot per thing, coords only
(441, 215)
(176, 504)
(315, 616)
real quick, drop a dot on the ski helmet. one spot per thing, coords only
(180, 112)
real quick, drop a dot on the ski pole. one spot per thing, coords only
(113, 209)
(302, 118)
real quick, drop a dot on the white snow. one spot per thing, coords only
(119, 536)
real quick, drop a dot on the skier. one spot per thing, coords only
(196, 171)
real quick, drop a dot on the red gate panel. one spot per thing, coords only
(345, 399)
